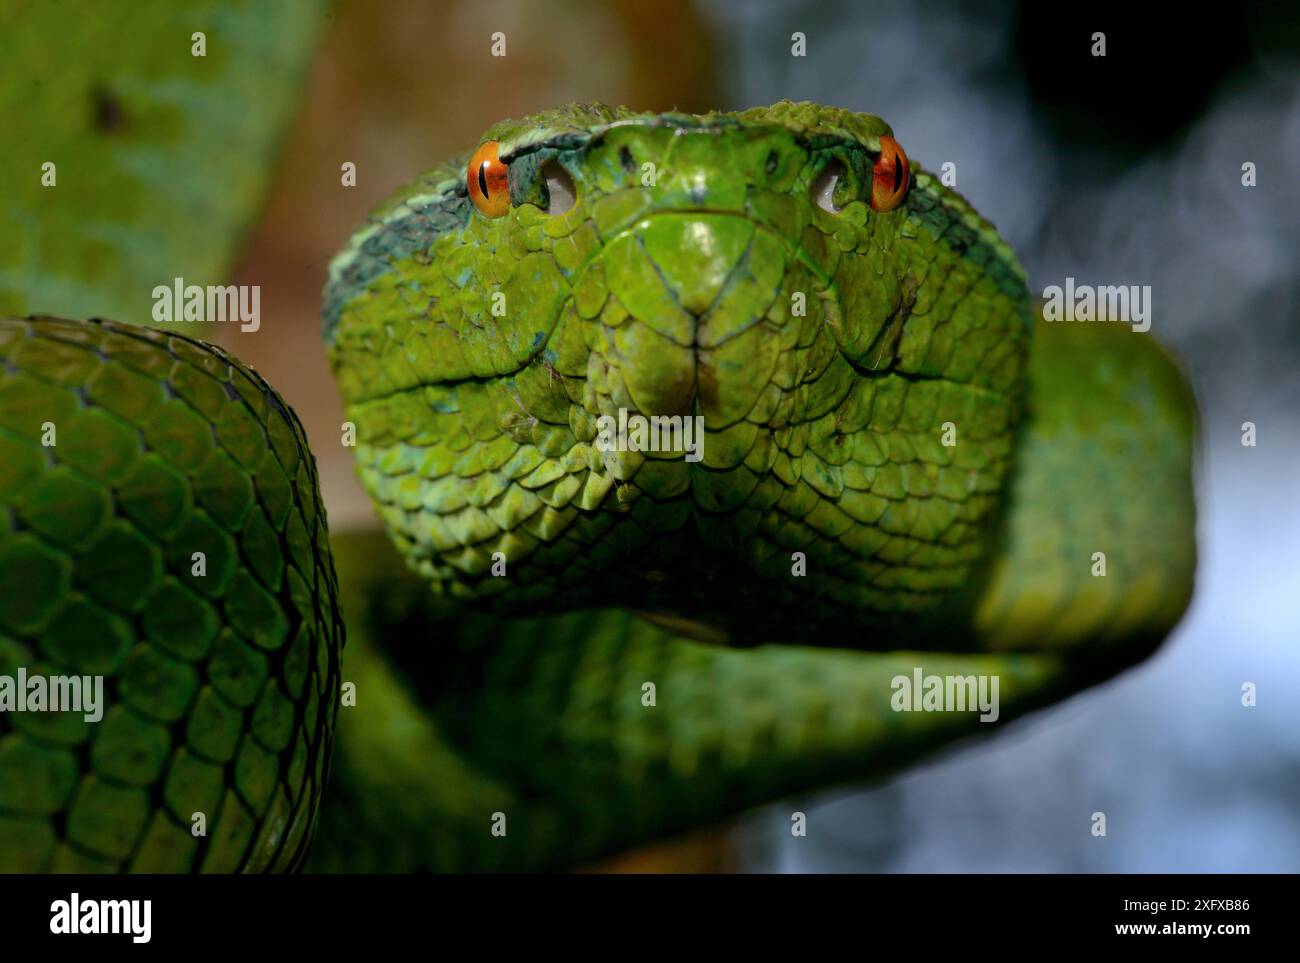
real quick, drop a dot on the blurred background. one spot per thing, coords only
(1122, 169)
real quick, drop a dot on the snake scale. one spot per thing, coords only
(577, 644)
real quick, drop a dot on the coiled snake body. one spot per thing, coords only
(900, 469)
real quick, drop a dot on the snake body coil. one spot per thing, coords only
(160, 527)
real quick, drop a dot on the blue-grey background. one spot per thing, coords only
(1117, 170)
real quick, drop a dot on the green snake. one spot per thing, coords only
(578, 644)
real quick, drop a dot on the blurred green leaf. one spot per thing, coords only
(161, 157)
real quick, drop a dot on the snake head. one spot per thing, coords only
(669, 359)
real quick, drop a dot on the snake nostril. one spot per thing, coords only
(772, 162)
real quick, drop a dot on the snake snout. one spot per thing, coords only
(695, 254)
(698, 280)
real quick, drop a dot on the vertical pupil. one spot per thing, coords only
(482, 178)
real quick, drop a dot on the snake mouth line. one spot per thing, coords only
(911, 376)
(822, 286)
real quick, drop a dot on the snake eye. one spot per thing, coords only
(889, 176)
(488, 181)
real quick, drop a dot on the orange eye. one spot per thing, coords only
(488, 181)
(889, 176)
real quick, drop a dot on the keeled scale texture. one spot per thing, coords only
(219, 691)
